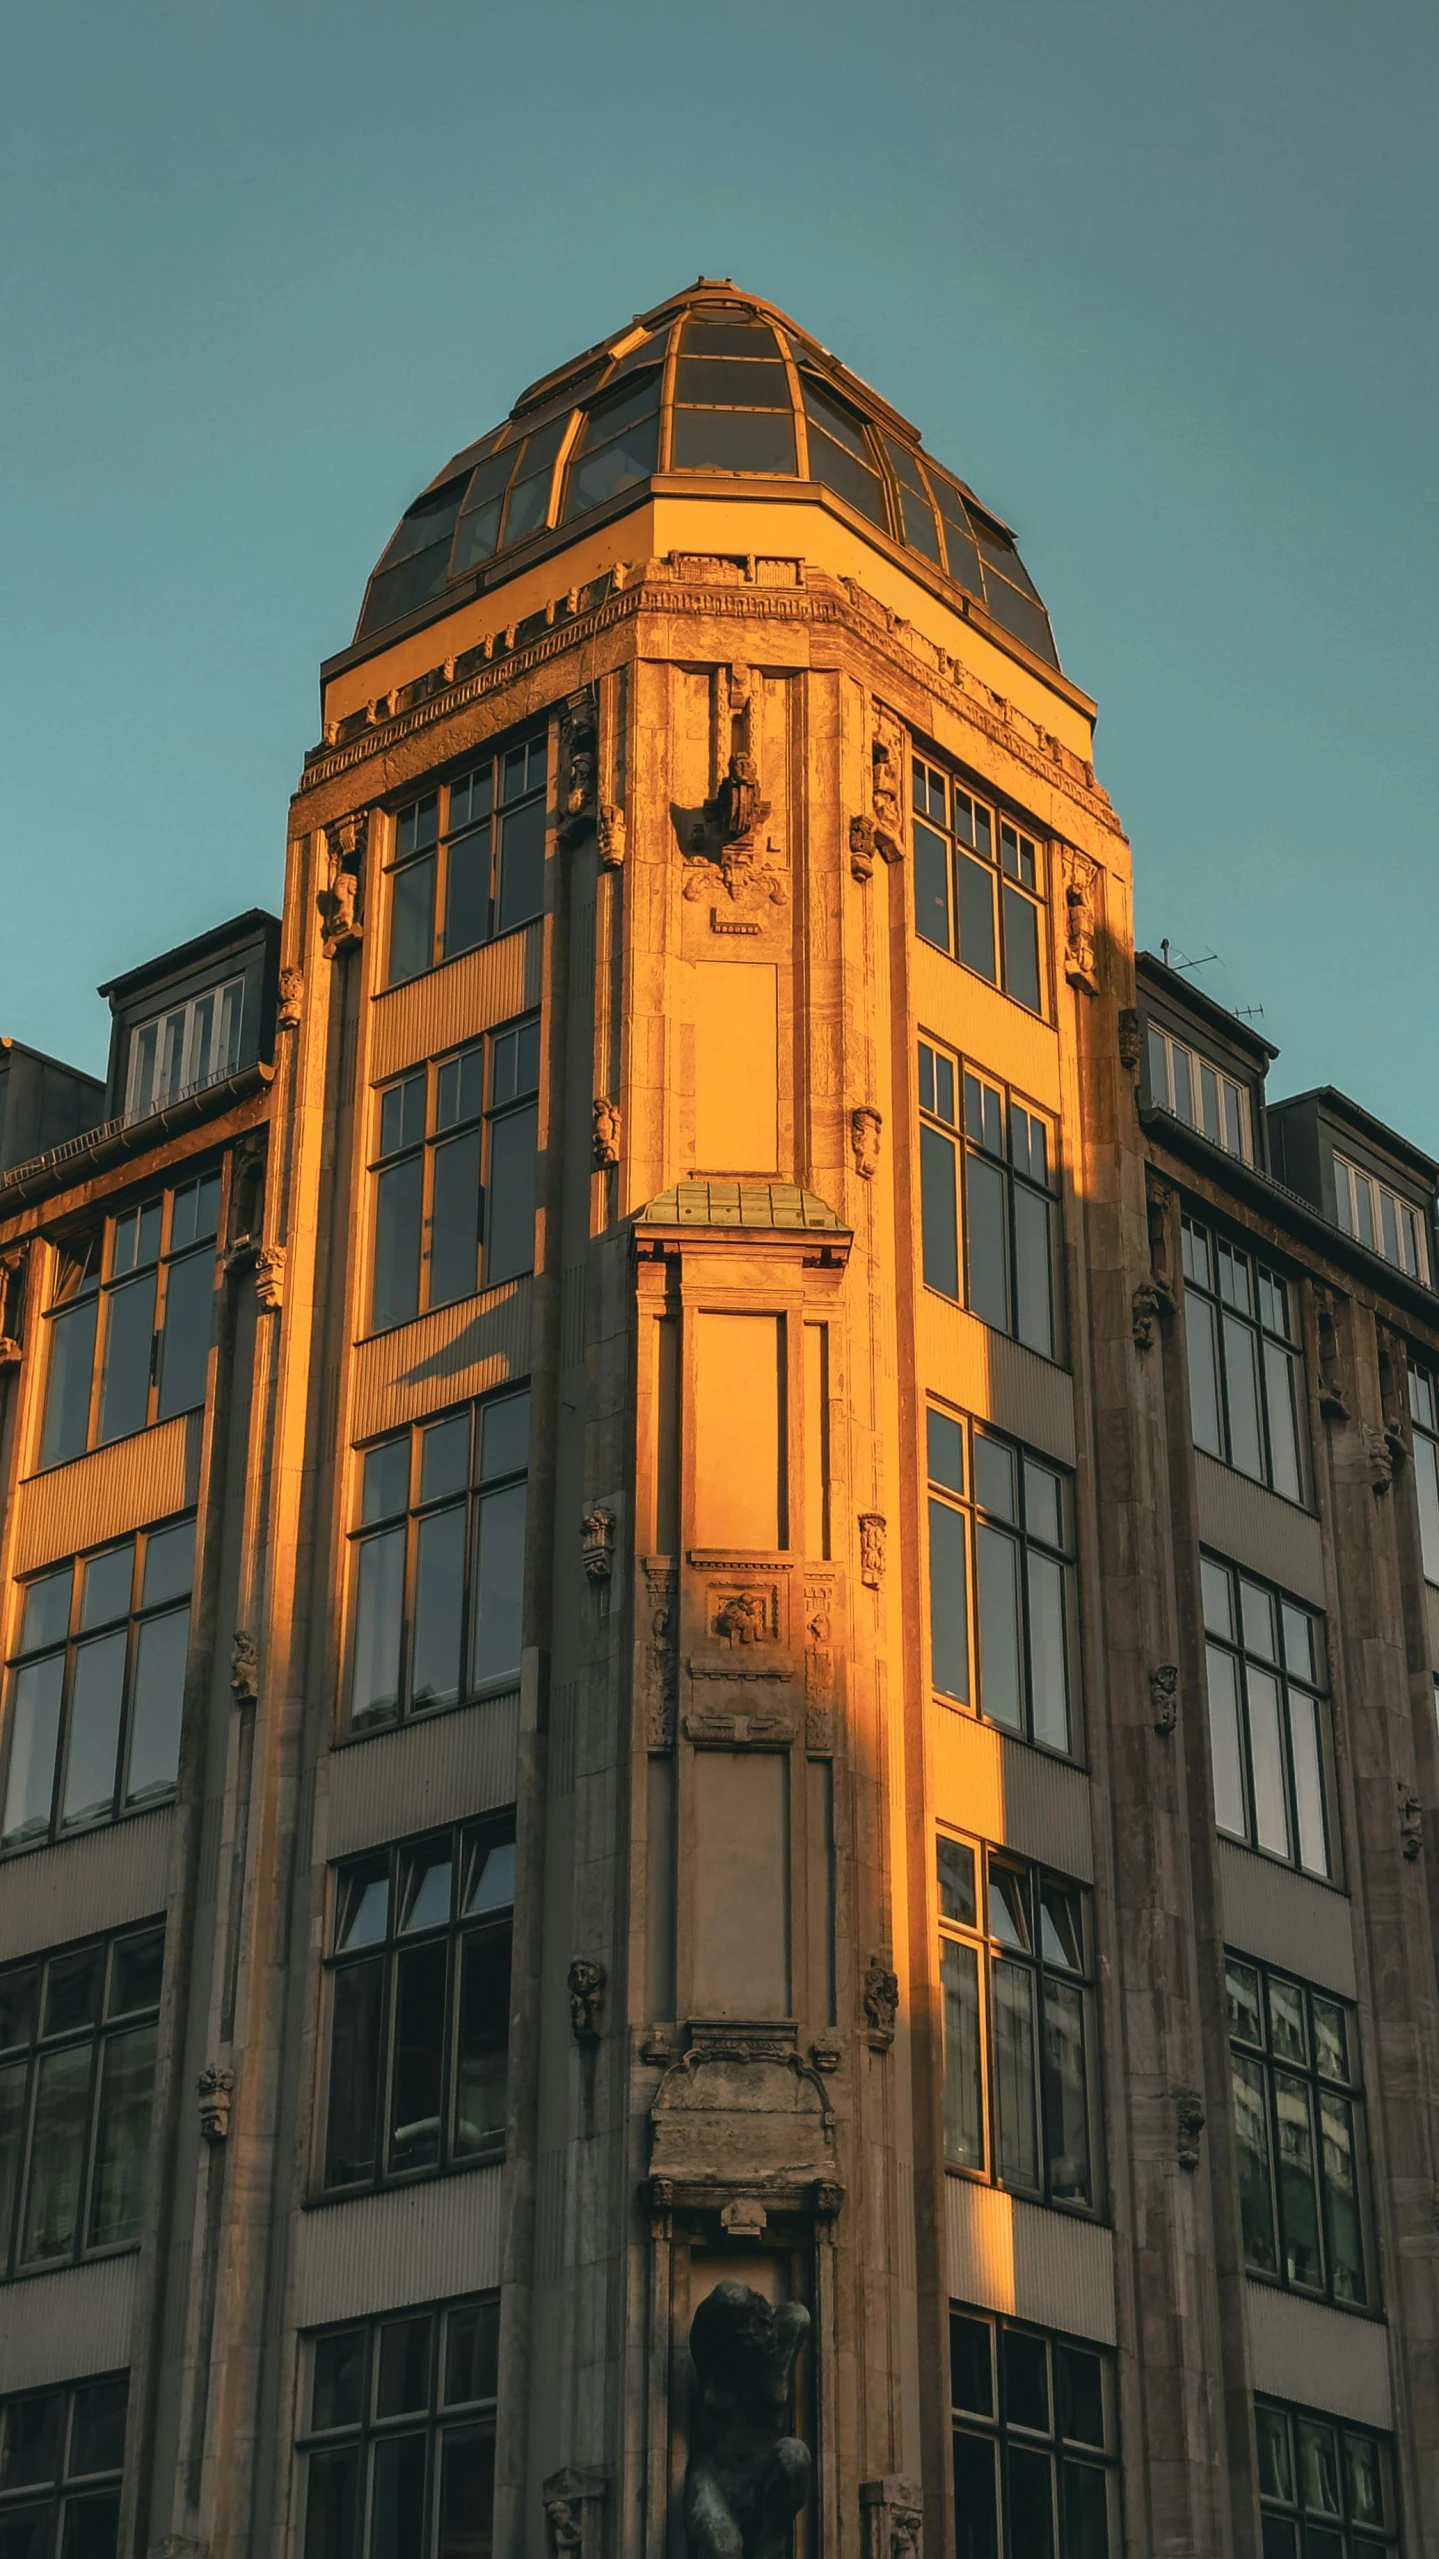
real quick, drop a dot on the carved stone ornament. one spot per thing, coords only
(893, 2514)
(723, 841)
(871, 1548)
(888, 760)
(1130, 1046)
(244, 1668)
(861, 847)
(611, 832)
(579, 767)
(572, 2501)
(880, 1996)
(1379, 1455)
(1164, 1696)
(743, 1617)
(339, 903)
(1189, 2123)
(661, 1587)
(1411, 1823)
(1333, 1402)
(865, 1124)
(270, 1278)
(215, 2088)
(597, 1543)
(292, 996)
(606, 1129)
(747, 2477)
(1081, 884)
(1150, 1300)
(587, 1991)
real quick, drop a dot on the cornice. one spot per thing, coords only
(115, 1141)
(660, 586)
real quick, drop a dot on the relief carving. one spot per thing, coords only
(1149, 1302)
(244, 1668)
(1393, 1393)
(893, 2514)
(1333, 1402)
(871, 1548)
(339, 903)
(861, 847)
(1189, 2120)
(606, 1130)
(1411, 1823)
(292, 996)
(880, 1995)
(12, 1263)
(215, 2089)
(1380, 1457)
(865, 1124)
(745, 1728)
(1130, 1049)
(661, 1585)
(888, 758)
(1164, 1696)
(612, 836)
(572, 2501)
(820, 1672)
(747, 2477)
(587, 1980)
(1081, 883)
(270, 1278)
(579, 767)
(745, 1617)
(597, 1543)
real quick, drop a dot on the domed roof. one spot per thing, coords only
(710, 382)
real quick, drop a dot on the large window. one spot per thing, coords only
(978, 879)
(1299, 2125)
(437, 1562)
(1326, 2488)
(1007, 1151)
(469, 860)
(1001, 1598)
(1034, 2442)
(1379, 1218)
(617, 444)
(77, 2062)
(1184, 1082)
(185, 1049)
(732, 409)
(1246, 1376)
(1016, 1967)
(1424, 1410)
(1268, 1719)
(96, 1685)
(420, 2007)
(454, 1175)
(62, 2451)
(398, 2439)
(129, 1320)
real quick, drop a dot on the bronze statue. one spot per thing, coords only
(747, 2478)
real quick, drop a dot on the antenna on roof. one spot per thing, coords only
(1250, 1012)
(1179, 966)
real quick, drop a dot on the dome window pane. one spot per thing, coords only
(478, 530)
(416, 565)
(914, 502)
(723, 382)
(732, 440)
(1021, 616)
(964, 565)
(530, 497)
(728, 337)
(618, 445)
(839, 454)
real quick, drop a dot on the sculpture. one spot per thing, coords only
(587, 1980)
(747, 2479)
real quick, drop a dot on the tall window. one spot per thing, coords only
(62, 2451)
(978, 878)
(77, 2062)
(1326, 2488)
(96, 1686)
(129, 1320)
(420, 2007)
(469, 859)
(1001, 1597)
(1016, 1969)
(1268, 1719)
(1246, 1376)
(1299, 2125)
(454, 1175)
(1379, 1218)
(437, 1562)
(1182, 1081)
(1009, 1176)
(399, 2440)
(185, 1049)
(1035, 2473)
(1424, 1410)
(618, 444)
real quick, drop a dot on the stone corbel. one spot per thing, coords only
(215, 2088)
(291, 999)
(270, 1278)
(611, 833)
(1164, 1697)
(1189, 2124)
(880, 1997)
(1081, 927)
(597, 1543)
(892, 2512)
(865, 1124)
(1130, 1045)
(573, 2501)
(587, 1979)
(888, 757)
(339, 904)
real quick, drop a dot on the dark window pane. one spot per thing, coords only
(467, 2492)
(1079, 2381)
(397, 2497)
(455, 1219)
(1279, 2540)
(185, 1349)
(339, 2388)
(1014, 2060)
(931, 886)
(976, 916)
(57, 2142)
(987, 1205)
(34, 1734)
(1202, 1346)
(397, 1243)
(1086, 2512)
(484, 2025)
(1298, 2195)
(1033, 1282)
(67, 1400)
(105, 1586)
(362, 1911)
(1026, 2380)
(73, 1990)
(34, 2441)
(1340, 2168)
(498, 1586)
(47, 1610)
(708, 381)
(939, 1219)
(1241, 1378)
(91, 2526)
(439, 1608)
(732, 440)
(17, 2005)
(385, 1482)
(510, 1200)
(129, 1334)
(136, 1967)
(444, 1457)
(522, 866)
(504, 1436)
(1281, 1397)
(490, 1881)
(93, 1742)
(13, 2082)
(1021, 949)
(332, 2505)
(419, 2058)
(404, 2383)
(948, 1602)
(354, 2074)
(1048, 1663)
(1256, 2201)
(1001, 1674)
(976, 2501)
(169, 1564)
(122, 2135)
(945, 1451)
(412, 920)
(614, 465)
(156, 1710)
(963, 2081)
(955, 1873)
(379, 1603)
(1029, 2501)
(467, 892)
(1066, 2112)
(472, 2353)
(733, 336)
(971, 2372)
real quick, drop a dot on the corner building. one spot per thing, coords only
(720, 1564)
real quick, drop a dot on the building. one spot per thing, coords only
(721, 1565)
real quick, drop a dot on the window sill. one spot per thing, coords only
(86, 1830)
(68, 2265)
(489, 1696)
(1283, 1865)
(325, 2201)
(453, 960)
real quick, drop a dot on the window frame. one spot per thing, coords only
(1334, 2523)
(432, 1140)
(452, 796)
(1423, 1389)
(1262, 2057)
(29, 2055)
(439, 2419)
(88, 1256)
(68, 2487)
(187, 1010)
(946, 1078)
(1008, 2437)
(1233, 1642)
(1168, 1096)
(980, 1516)
(1403, 1216)
(1205, 1285)
(995, 833)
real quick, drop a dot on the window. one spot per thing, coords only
(732, 410)
(1034, 2442)
(1016, 1973)
(61, 2454)
(437, 1562)
(1201, 1095)
(1009, 1178)
(977, 880)
(1380, 1219)
(1001, 1597)
(77, 2060)
(840, 454)
(1326, 2489)
(96, 1686)
(399, 2449)
(420, 2007)
(1246, 1377)
(469, 860)
(181, 1051)
(1424, 1411)
(454, 1170)
(1268, 1719)
(130, 1320)
(618, 444)
(1299, 2126)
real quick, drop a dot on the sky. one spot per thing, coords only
(1158, 280)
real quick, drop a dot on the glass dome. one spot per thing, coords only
(710, 382)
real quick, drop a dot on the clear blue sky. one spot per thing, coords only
(1159, 280)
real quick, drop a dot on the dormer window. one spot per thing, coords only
(182, 1051)
(1201, 1095)
(1379, 1218)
